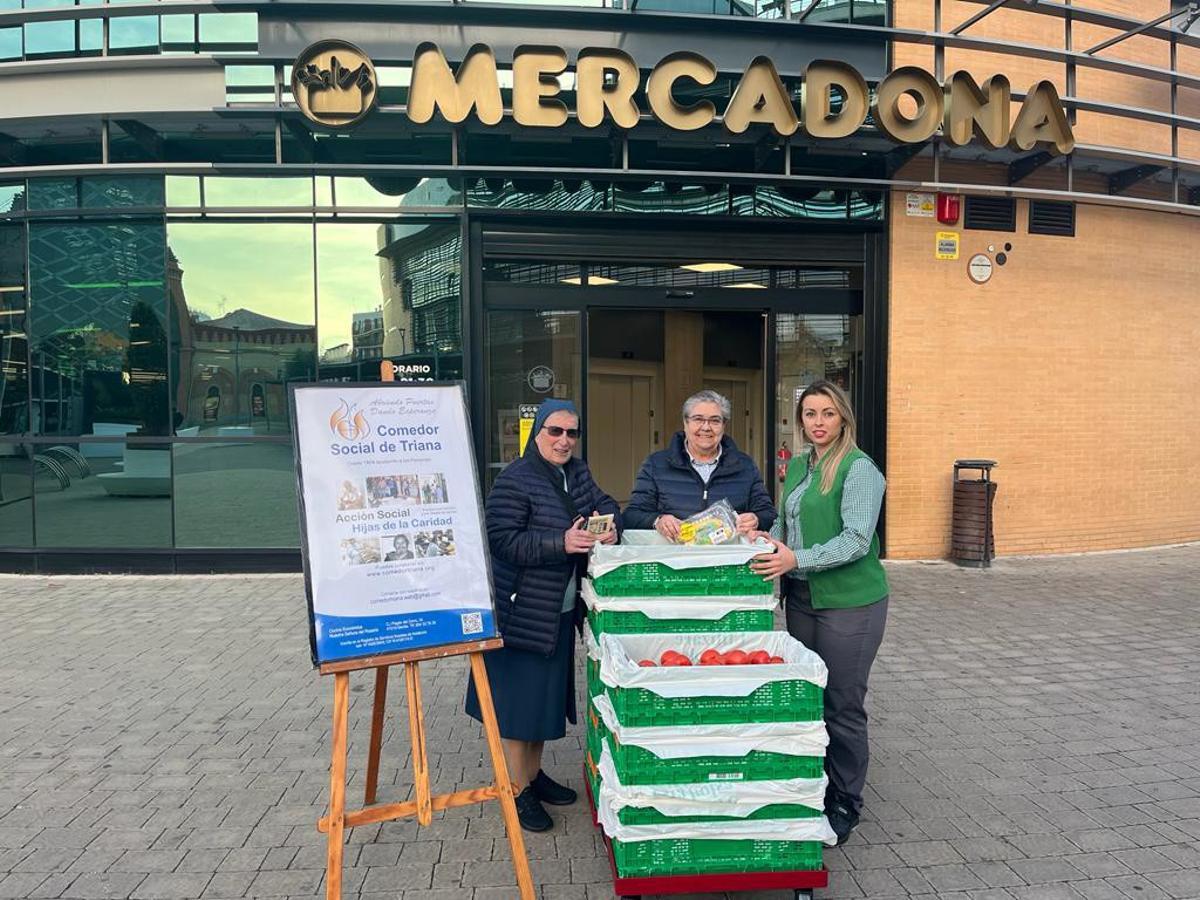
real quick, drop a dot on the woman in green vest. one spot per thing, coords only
(827, 554)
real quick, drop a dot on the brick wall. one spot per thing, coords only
(1077, 367)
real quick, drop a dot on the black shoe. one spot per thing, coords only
(550, 791)
(842, 819)
(530, 812)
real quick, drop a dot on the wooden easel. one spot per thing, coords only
(339, 819)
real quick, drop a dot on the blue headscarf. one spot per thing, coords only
(548, 408)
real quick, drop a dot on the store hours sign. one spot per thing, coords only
(395, 554)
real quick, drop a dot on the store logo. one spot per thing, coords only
(540, 379)
(348, 423)
(334, 84)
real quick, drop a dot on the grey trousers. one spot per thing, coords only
(847, 640)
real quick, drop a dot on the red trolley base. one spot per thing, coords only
(803, 883)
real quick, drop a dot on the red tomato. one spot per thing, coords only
(677, 660)
(758, 657)
(647, 662)
(775, 659)
(711, 657)
(736, 658)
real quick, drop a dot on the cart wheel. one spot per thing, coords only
(803, 894)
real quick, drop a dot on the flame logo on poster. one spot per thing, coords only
(348, 423)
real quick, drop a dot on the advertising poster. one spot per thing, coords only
(395, 555)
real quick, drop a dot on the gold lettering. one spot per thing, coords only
(594, 95)
(924, 90)
(660, 91)
(1042, 120)
(476, 86)
(975, 111)
(820, 119)
(535, 85)
(760, 97)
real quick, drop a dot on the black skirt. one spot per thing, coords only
(534, 695)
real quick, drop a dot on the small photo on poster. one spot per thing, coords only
(410, 488)
(351, 496)
(397, 548)
(433, 489)
(359, 552)
(434, 543)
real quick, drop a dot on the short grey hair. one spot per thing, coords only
(707, 397)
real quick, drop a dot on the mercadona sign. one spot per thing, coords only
(335, 86)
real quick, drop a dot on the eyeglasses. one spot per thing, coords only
(557, 431)
(710, 421)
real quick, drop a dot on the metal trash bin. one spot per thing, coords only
(972, 536)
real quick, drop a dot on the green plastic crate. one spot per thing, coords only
(701, 856)
(648, 815)
(658, 580)
(636, 765)
(776, 701)
(595, 732)
(594, 684)
(612, 622)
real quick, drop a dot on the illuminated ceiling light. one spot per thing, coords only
(600, 279)
(712, 267)
(746, 284)
(575, 279)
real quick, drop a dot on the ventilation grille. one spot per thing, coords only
(990, 214)
(1050, 217)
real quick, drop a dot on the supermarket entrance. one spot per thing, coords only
(628, 327)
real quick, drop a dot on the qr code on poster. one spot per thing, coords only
(472, 623)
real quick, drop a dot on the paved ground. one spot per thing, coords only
(1037, 736)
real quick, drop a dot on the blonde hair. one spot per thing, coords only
(844, 443)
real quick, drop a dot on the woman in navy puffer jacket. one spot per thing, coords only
(539, 556)
(701, 466)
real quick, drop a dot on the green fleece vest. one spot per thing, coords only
(859, 583)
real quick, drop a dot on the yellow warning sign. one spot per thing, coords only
(528, 414)
(947, 245)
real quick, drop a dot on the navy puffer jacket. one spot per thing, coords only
(667, 484)
(526, 520)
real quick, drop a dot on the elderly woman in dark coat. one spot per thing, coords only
(539, 549)
(700, 466)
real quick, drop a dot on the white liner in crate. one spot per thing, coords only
(709, 609)
(619, 654)
(733, 740)
(710, 798)
(652, 547)
(812, 829)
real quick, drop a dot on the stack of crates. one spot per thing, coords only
(634, 612)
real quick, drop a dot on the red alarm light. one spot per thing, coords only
(948, 208)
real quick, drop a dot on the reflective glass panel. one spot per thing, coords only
(671, 197)
(178, 33)
(228, 31)
(421, 276)
(242, 305)
(123, 190)
(352, 290)
(239, 192)
(124, 502)
(16, 496)
(530, 356)
(810, 348)
(249, 84)
(14, 349)
(183, 191)
(53, 193)
(381, 191)
(10, 43)
(133, 34)
(12, 197)
(257, 480)
(547, 194)
(98, 328)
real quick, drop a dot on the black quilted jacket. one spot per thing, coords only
(525, 524)
(667, 483)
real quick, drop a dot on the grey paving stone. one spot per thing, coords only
(172, 886)
(104, 886)
(1002, 752)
